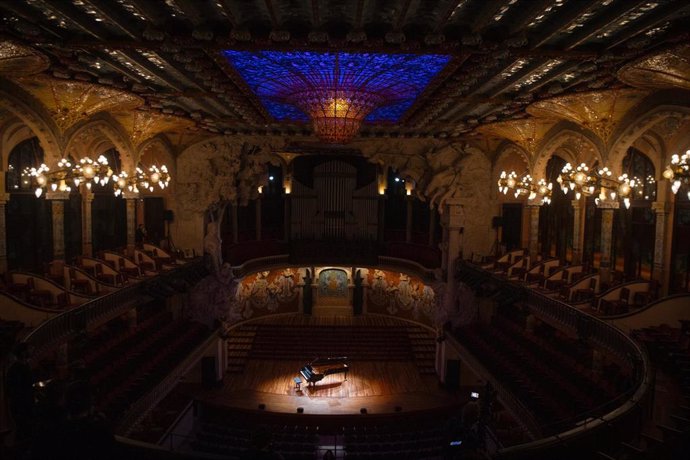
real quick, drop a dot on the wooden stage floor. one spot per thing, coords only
(379, 386)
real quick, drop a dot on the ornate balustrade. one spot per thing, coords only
(99, 310)
(628, 406)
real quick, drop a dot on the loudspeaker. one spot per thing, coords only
(208, 371)
(300, 410)
(363, 410)
(262, 406)
(497, 221)
(168, 215)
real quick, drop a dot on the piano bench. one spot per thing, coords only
(298, 382)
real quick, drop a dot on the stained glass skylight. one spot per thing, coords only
(296, 85)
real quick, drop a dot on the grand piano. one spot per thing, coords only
(320, 367)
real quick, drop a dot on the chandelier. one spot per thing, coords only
(337, 114)
(525, 186)
(96, 172)
(336, 91)
(586, 181)
(678, 172)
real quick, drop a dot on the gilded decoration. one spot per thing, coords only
(599, 111)
(142, 125)
(526, 132)
(70, 101)
(19, 61)
(670, 69)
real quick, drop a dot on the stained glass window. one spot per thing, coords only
(281, 78)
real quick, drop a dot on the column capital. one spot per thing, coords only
(661, 207)
(4, 197)
(86, 194)
(57, 195)
(608, 204)
(576, 203)
(130, 195)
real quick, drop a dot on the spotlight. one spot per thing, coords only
(270, 178)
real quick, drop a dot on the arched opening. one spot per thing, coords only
(556, 219)
(108, 212)
(28, 219)
(634, 228)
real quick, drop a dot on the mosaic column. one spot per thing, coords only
(578, 231)
(86, 222)
(131, 199)
(4, 198)
(57, 207)
(662, 212)
(456, 222)
(607, 209)
(533, 245)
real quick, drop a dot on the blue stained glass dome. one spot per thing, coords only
(279, 78)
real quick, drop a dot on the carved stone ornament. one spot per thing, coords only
(670, 69)
(220, 169)
(19, 61)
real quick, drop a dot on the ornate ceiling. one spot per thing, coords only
(505, 55)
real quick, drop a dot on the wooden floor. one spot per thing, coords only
(378, 386)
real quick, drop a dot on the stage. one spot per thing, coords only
(381, 386)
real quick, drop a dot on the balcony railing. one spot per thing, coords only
(99, 310)
(597, 333)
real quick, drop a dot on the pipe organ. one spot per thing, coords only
(334, 208)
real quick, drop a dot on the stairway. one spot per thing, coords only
(239, 345)
(423, 349)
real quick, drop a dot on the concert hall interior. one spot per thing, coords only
(329, 229)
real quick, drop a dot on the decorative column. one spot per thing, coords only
(456, 222)
(131, 199)
(607, 209)
(662, 210)
(86, 222)
(578, 231)
(4, 198)
(234, 222)
(258, 218)
(432, 225)
(533, 208)
(57, 202)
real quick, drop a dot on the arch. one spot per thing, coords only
(98, 132)
(30, 111)
(644, 116)
(161, 146)
(507, 148)
(572, 143)
(13, 132)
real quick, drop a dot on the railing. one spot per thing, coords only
(596, 332)
(259, 263)
(513, 404)
(77, 320)
(138, 410)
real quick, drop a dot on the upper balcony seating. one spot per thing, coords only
(103, 270)
(620, 299)
(538, 273)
